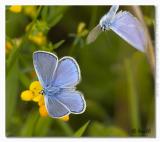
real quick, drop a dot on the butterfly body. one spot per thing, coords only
(52, 91)
(59, 78)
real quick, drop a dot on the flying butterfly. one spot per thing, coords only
(123, 24)
(59, 78)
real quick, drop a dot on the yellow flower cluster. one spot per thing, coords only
(28, 10)
(33, 94)
(36, 35)
(15, 8)
(39, 38)
(81, 31)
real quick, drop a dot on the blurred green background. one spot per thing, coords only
(117, 81)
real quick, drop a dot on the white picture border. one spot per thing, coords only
(4, 3)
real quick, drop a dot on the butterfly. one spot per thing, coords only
(123, 24)
(59, 78)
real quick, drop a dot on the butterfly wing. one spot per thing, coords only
(73, 100)
(130, 29)
(67, 73)
(112, 12)
(54, 107)
(93, 34)
(45, 64)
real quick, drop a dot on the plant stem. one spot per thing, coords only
(132, 96)
(92, 22)
(149, 46)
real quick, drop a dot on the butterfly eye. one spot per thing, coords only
(41, 92)
(103, 28)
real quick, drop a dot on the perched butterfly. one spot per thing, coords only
(122, 23)
(59, 79)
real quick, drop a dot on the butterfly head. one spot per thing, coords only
(105, 23)
(105, 27)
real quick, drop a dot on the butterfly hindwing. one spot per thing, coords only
(130, 29)
(55, 108)
(93, 34)
(73, 100)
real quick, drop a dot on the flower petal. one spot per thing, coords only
(27, 95)
(35, 86)
(37, 98)
(65, 118)
(41, 101)
(42, 110)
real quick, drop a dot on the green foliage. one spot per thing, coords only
(117, 81)
(52, 14)
(11, 93)
(97, 129)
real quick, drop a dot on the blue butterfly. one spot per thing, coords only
(59, 79)
(122, 23)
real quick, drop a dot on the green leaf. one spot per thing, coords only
(81, 130)
(132, 95)
(56, 45)
(11, 92)
(52, 15)
(51, 46)
(42, 126)
(29, 125)
(52, 23)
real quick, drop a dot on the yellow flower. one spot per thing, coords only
(81, 31)
(65, 118)
(15, 8)
(9, 46)
(39, 38)
(43, 111)
(30, 11)
(36, 87)
(27, 95)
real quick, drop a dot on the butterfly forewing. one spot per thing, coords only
(112, 11)
(67, 73)
(45, 65)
